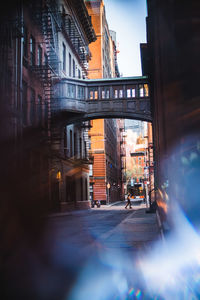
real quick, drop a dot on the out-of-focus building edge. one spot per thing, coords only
(172, 63)
(106, 181)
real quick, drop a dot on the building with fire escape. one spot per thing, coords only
(41, 43)
(73, 39)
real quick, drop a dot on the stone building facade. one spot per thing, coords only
(42, 42)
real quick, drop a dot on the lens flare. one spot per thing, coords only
(138, 294)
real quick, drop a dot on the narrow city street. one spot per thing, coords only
(99, 102)
(95, 252)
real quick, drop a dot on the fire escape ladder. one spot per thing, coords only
(86, 127)
(73, 35)
(46, 17)
(49, 32)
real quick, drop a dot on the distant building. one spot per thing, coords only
(137, 126)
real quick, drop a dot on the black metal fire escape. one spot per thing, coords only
(47, 16)
(72, 35)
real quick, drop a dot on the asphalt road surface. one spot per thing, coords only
(88, 255)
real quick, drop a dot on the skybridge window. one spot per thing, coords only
(93, 93)
(81, 92)
(118, 92)
(105, 93)
(144, 90)
(141, 90)
(71, 91)
(130, 92)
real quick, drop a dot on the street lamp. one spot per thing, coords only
(108, 187)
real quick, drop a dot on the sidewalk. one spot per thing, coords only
(137, 231)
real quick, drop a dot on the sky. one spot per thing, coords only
(128, 19)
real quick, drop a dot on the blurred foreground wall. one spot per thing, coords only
(173, 47)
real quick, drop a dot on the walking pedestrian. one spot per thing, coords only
(128, 201)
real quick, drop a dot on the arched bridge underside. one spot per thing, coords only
(81, 100)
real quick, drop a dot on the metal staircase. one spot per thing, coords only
(47, 16)
(87, 153)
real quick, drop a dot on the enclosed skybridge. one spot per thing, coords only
(103, 98)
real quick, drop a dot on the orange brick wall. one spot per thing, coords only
(95, 64)
(99, 187)
(96, 67)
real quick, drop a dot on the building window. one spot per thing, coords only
(75, 144)
(71, 148)
(86, 189)
(80, 147)
(32, 106)
(70, 64)
(130, 92)
(81, 185)
(45, 59)
(85, 148)
(74, 74)
(133, 93)
(79, 73)
(120, 93)
(64, 57)
(71, 91)
(32, 51)
(141, 90)
(25, 41)
(107, 94)
(81, 92)
(69, 188)
(90, 170)
(65, 142)
(24, 103)
(146, 90)
(39, 56)
(39, 109)
(93, 93)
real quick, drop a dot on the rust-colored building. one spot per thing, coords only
(103, 134)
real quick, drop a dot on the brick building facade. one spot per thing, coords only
(104, 133)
